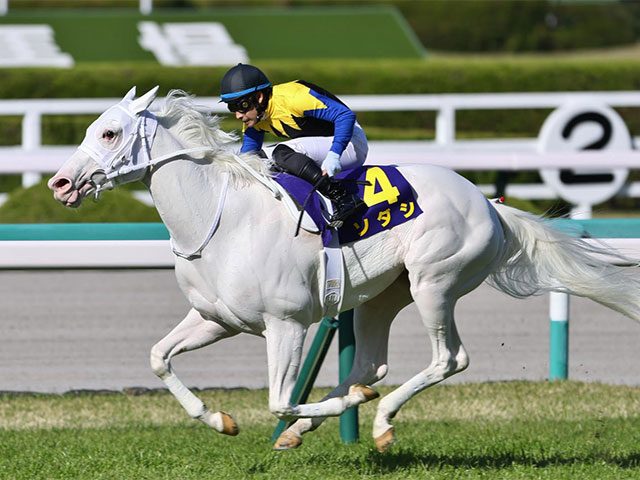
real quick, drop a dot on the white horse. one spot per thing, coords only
(248, 273)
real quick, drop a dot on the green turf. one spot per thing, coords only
(513, 430)
(266, 33)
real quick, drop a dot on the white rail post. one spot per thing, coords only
(4, 7)
(31, 140)
(446, 125)
(146, 6)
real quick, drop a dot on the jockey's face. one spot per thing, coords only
(250, 117)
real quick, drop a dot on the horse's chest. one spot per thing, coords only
(204, 297)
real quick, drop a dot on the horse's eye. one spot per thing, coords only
(109, 134)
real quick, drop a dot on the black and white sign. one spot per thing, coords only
(584, 126)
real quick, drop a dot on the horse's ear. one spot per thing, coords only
(142, 103)
(131, 94)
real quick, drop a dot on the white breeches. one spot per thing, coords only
(317, 148)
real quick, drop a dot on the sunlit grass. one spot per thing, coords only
(566, 401)
(513, 430)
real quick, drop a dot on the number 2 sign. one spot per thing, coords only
(584, 126)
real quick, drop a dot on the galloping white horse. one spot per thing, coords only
(242, 269)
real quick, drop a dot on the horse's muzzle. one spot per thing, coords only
(64, 191)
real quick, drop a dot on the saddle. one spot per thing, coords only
(388, 195)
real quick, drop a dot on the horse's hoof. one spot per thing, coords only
(229, 425)
(384, 441)
(368, 392)
(287, 441)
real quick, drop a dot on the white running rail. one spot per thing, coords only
(32, 158)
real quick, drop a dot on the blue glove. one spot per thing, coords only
(331, 164)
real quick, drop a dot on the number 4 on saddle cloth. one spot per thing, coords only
(388, 195)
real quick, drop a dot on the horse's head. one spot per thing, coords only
(115, 150)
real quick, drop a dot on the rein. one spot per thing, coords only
(216, 221)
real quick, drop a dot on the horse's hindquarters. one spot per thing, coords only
(457, 241)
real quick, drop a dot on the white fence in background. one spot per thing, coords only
(31, 158)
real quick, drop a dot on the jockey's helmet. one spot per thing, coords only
(240, 83)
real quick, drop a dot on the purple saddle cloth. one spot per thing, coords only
(389, 198)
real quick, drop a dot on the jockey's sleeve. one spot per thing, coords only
(342, 118)
(252, 140)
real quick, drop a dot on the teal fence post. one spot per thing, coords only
(349, 432)
(559, 336)
(310, 368)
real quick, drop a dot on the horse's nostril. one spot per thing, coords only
(61, 184)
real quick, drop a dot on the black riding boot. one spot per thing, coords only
(346, 204)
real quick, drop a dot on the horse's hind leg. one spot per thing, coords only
(192, 333)
(448, 357)
(372, 321)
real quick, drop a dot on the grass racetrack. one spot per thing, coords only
(513, 430)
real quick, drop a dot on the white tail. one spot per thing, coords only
(539, 258)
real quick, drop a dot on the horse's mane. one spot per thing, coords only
(195, 126)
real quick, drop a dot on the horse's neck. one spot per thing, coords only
(186, 193)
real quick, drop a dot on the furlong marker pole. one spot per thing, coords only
(558, 336)
(559, 327)
(349, 431)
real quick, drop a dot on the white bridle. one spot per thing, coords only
(138, 128)
(134, 151)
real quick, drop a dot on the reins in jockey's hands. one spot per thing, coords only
(331, 164)
(295, 163)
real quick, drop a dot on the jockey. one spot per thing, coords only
(323, 132)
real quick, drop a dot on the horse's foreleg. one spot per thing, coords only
(372, 322)
(448, 358)
(285, 340)
(192, 333)
(370, 365)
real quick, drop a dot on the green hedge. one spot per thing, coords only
(36, 205)
(341, 77)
